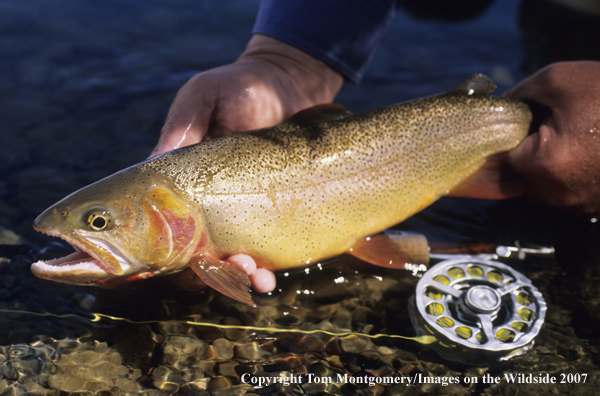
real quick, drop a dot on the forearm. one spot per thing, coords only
(343, 35)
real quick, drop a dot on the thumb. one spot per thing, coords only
(188, 118)
(175, 135)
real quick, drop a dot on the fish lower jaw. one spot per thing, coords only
(70, 269)
(88, 265)
(81, 267)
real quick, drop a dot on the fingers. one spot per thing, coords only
(175, 135)
(263, 280)
(189, 116)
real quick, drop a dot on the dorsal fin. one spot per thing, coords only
(320, 113)
(476, 84)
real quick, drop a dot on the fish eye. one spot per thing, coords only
(98, 220)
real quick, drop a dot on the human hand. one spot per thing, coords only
(268, 83)
(560, 161)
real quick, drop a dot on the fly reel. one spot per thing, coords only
(479, 304)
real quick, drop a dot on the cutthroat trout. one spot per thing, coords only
(315, 186)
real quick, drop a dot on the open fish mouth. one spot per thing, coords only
(80, 260)
(83, 266)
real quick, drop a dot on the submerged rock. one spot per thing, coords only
(184, 357)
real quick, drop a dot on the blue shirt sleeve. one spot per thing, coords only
(342, 34)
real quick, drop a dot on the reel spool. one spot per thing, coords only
(482, 305)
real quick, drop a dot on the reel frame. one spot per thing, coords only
(481, 304)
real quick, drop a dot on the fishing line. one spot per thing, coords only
(97, 317)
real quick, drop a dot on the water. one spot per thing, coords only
(85, 87)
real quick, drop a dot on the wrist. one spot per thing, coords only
(313, 79)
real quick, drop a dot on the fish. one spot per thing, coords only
(320, 184)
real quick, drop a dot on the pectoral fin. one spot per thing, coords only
(224, 277)
(493, 180)
(392, 250)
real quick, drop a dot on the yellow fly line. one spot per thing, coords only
(97, 317)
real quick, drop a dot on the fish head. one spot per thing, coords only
(128, 226)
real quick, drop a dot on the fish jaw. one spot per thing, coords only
(86, 266)
(72, 269)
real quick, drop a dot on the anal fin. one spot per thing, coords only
(224, 277)
(392, 250)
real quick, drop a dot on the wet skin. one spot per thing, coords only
(559, 160)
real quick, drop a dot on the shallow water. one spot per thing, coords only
(85, 88)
